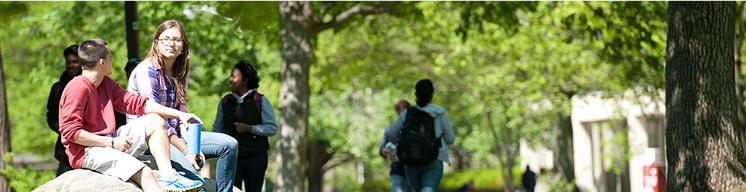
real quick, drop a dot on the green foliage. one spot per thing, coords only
(483, 179)
(629, 34)
(49, 27)
(253, 17)
(376, 185)
(557, 184)
(475, 14)
(25, 178)
(498, 67)
(12, 9)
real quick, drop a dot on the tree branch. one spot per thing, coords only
(327, 7)
(357, 10)
(588, 5)
(342, 160)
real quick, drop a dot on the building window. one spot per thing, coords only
(655, 128)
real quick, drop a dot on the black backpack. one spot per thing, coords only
(418, 145)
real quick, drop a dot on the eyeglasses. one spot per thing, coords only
(167, 41)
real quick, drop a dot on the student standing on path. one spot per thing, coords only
(92, 141)
(72, 69)
(249, 117)
(163, 76)
(426, 178)
(399, 181)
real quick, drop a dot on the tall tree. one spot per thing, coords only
(8, 10)
(297, 54)
(299, 24)
(130, 20)
(5, 130)
(704, 144)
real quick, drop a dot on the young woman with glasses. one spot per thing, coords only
(163, 77)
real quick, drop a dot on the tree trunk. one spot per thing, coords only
(507, 171)
(508, 151)
(462, 159)
(317, 158)
(130, 19)
(703, 146)
(297, 54)
(506, 154)
(562, 138)
(4, 130)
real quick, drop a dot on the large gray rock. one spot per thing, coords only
(86, 180)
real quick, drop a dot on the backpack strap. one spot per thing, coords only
(411, 111)
(258, 100)
(225, 99)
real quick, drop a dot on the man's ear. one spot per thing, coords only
(101, 62)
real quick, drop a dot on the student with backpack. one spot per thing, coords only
(249, 117)
(422, 133)
(398, 178)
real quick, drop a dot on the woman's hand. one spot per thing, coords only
(243, 127)
(189, 118)
(192, 158)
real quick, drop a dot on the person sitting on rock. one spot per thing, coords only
(89, 133)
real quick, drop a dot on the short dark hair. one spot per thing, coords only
(424, 92)
(248, 73)
(71, 50)
(90, 51)
(401, 105)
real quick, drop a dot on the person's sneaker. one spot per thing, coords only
(177, 183)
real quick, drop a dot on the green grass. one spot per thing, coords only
(483, 179)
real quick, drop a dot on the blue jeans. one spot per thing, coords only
(425, 178)
(219, 145)
(399, 183)
(251, 172)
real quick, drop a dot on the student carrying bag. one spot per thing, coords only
(418, 145)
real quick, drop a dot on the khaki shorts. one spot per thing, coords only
(109, 161)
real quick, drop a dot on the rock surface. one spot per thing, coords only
(87, 180)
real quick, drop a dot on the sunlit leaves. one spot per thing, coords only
(12, 9)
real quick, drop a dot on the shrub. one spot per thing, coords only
(485, 179)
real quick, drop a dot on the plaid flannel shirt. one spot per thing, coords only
(148, 79)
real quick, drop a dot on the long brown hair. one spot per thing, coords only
(180, 68)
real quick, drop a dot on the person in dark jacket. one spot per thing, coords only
(131, 64)
(529, 179)
(426, 178)
(248, 117)
(72, 69)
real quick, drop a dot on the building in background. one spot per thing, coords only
(615, 141)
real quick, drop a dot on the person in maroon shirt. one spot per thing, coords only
(89, 132)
